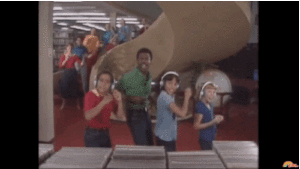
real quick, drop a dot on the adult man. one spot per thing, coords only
(82, 52)
(136, 86)
(124, 33)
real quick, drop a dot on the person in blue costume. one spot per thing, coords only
(205, 120)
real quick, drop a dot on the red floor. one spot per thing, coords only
(242, 124)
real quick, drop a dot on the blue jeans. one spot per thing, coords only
(140, 126)
(205, 145)
(95, 138)
(169, 145)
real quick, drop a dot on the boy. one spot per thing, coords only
(166, 126)
(205, 113)
(98, 105)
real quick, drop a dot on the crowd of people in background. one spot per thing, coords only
(79, 58)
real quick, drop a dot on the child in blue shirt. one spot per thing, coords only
(205, 121)
(166, 126)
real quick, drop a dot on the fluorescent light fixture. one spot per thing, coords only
(81, 28)
(57, 8)
(67, 1)
(54, 21)
(79, 14)
(64, 28)
(127, 19)
(62, 24)
(132, 22)
(118, 25)
(92, 21)
(140, 26)
(95, 26)
(81, 18)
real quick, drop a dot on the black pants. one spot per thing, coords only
(205, 145)
(95, 138)
(169, 145)
(140, 126)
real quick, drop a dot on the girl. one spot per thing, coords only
(205, 113)
(98, 105)
(166, 126)
(69, 85)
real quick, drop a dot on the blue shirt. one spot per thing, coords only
(80, 51)
(123, 33)
(166, 125)
(106, 37)
(209, 133)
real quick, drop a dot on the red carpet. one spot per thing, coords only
(242, 124)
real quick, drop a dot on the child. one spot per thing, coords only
(98, 105)
(166, 126)
(205, 112)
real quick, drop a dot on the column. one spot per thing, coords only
(46, 114)
(113, 20)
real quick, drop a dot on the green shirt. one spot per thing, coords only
(134, 84)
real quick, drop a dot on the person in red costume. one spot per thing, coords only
(69, 84)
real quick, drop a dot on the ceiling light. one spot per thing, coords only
(78, 14)
(57, 8)
(81, 28)
(64, 28)
(95, 26)
(92, 21)
(127, 19)
(67, 1)
(132, 22)
(81, 18)
(62, 24)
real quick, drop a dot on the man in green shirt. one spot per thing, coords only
(136, 87)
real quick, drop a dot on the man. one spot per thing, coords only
(82, 52)
(136, 86)
(124, 33)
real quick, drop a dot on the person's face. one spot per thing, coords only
(69, 48)
(171, 86)
(78, 41)
(144, 62)
(104, 83)
(210, 94)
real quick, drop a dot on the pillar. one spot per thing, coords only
(113, 20)
(46, 114)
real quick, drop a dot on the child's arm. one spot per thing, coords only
(200, 126)
(182, 111)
